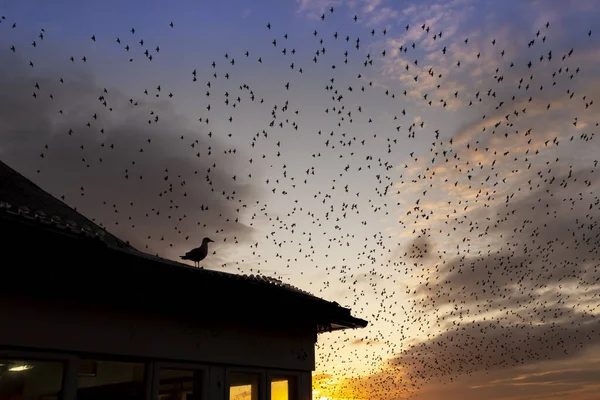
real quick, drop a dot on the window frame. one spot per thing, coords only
(262, 381)
(156, 366)
(271, 373)
(70, 364)
(148, 369)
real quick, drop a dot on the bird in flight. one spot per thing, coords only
(476, 214)
(199, 253)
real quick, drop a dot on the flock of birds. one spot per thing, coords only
(498, 259)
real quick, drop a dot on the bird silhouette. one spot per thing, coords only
(199, 253)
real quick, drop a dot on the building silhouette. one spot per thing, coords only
(86, 316)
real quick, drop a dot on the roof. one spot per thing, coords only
(27, 208)
(29, 200)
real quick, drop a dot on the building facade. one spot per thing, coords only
(85, 316)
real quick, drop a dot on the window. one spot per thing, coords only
(180, 385)
(243, 386)
(30, 380)
(110, 380)
(283, 388)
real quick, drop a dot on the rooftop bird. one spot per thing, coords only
(199, 253)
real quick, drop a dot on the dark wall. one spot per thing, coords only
(61, 292)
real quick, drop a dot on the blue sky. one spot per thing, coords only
(337, 235)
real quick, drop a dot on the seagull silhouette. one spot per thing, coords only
(199, 253)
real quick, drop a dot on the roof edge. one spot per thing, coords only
(340, 317)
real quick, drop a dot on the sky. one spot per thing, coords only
(431, 165)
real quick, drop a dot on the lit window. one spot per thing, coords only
(30, 380)
(283, 388)
(243, 386)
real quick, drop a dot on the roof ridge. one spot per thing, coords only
(54, 220)
(251, 277)
(26, 199)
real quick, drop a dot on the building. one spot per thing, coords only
(86, 316)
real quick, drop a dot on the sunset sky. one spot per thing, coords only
(440, 179)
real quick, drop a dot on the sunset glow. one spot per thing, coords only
(432, 166)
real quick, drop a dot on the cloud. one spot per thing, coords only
(315, 8)
(565, 377)
(515, 277)
(134, 175)
(439, 73)
(569, 378)
(369, 12)
(544, 248)
(486, 345)
(367, 342)
(418, 250)
(502, 146)
(377, 16)
(508, 203)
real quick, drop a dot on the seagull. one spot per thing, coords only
(199, 253)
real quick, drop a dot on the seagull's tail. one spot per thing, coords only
(184, 257)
